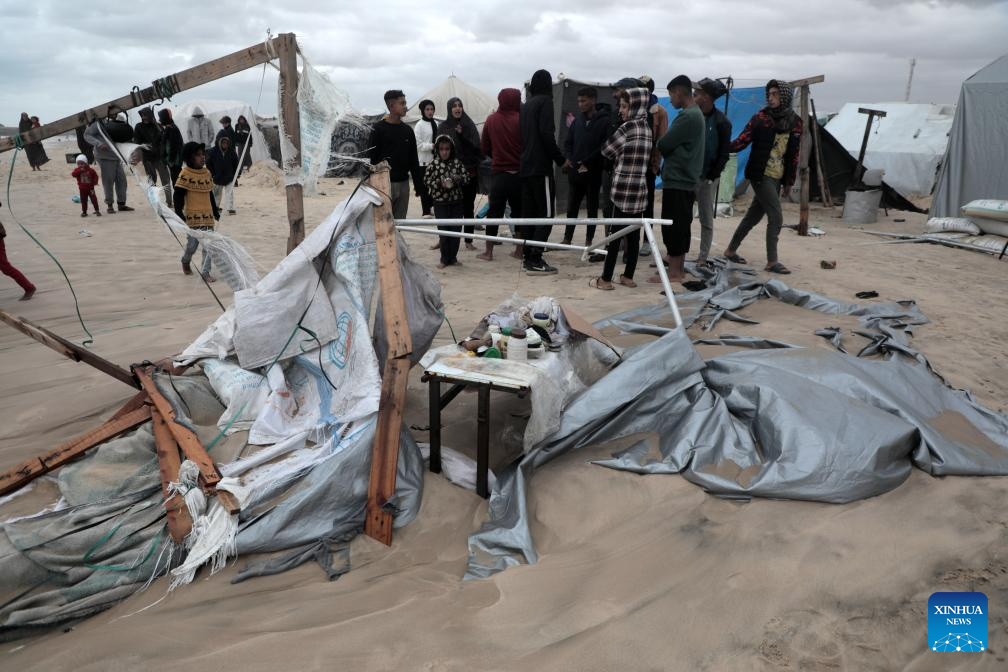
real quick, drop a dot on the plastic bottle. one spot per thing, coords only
(517, 347)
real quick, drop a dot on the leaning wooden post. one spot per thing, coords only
(824, 190)
(803, 165)
(291, 127)
(385, 450)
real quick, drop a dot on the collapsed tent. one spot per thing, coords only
(772, 421)
(974, 165)
(214, 110)
(908, 143)
(291, 363)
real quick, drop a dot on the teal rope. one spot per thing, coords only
(10, 177)
(155, 544)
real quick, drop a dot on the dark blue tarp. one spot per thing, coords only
(742, 105)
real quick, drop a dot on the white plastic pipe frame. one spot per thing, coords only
(429, 226)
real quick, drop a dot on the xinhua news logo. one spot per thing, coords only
(957, 622)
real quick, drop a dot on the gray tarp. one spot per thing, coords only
(974, 165)
(774, 421)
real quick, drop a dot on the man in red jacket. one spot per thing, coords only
(502, 142)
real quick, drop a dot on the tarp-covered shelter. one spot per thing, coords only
(908, 143)
(214, 110)
(974, 165)
(478, 104)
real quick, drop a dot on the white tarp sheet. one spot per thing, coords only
(214, 110)
(908, 143)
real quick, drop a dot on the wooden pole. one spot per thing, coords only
(169, 461)
(858, 172)
(68, 349)
(385, 450)
(291, 126)
(37, 466)
(803, 161)
(824, 190)
(180, 81)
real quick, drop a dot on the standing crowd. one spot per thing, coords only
(608, 157)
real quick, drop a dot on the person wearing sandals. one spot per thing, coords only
(775, 135)
(630, 150)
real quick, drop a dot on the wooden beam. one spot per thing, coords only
(169, 461)
(389, 274)
(824, 190)
(186, 439)
(291, 117)
(385, 450)
(818, 79)
(180, 81)
(68, 349)
(65, 452)
(804, 152)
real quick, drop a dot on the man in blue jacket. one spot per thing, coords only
(583, 149)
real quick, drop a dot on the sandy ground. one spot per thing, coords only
(637, 572)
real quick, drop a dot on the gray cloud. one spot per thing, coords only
(59, 59)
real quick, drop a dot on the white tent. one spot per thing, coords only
(214, 110)
(908, 143)
(478, 105)
(976, 165)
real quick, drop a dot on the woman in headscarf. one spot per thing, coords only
(775, 135)
(37, 148)
(31, 149)
(462, 131)
(243, 137)
(426, 131)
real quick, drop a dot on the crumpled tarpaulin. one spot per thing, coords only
(772, 421)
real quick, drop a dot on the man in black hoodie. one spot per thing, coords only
(539, 152)
(583, 149)
(147, 132)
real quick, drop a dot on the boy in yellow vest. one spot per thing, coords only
(194, 202)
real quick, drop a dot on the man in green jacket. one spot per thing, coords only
(682, 149)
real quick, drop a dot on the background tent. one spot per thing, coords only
(743, 103)
(908, 143)
(975, 165)
(477, 103)
(564, 109)
(214, 110)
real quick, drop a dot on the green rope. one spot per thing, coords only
(10, 177)
(155, 544)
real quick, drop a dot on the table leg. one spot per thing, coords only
(434, 402)
(483, 441)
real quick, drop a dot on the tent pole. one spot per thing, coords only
(287, 50)
(824, 190)
(803, 161)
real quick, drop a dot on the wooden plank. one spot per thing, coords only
(291, 117)
(804, 152)
(180, 81)
(68, 349)
(818, 79)
(65, 452)
(169, 461)
(400, 343)
(824, 190)
(135, 402)
(186, 439)
(385, 450)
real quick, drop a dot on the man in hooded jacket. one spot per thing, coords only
(539, 152)
(113, 177)
(583, 148)
(199, 128)
(149, 133)
(502, 142)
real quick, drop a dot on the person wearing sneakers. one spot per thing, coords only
(113, 176)
(8, 269)
(87, 180)
(775, 135)
(629, 149)
(539, 153)
(195, 204)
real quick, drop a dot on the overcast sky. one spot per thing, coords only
(60, 56)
